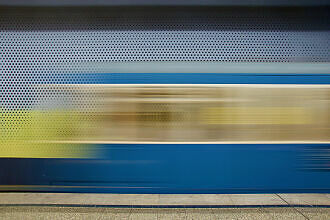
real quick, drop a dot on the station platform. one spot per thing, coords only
(164, 206)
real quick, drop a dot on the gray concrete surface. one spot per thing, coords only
(306, 199)
(27, 212)
(165, 199)
(62, 206)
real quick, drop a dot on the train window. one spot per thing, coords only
(209, 113)
(163, 113)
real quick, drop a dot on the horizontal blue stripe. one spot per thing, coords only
(175, 78)
(211, 78)
(104, 150)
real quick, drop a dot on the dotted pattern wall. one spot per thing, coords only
(64, 41)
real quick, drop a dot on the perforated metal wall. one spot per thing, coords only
(62, 40)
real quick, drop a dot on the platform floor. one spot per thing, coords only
(164, 200)
(28, 212)
(163, 206)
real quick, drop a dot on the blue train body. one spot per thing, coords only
(183, 167)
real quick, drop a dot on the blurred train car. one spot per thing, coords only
(165, 99)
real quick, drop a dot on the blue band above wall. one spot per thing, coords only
(170, 78)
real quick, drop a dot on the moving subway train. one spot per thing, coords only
(165, 100)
